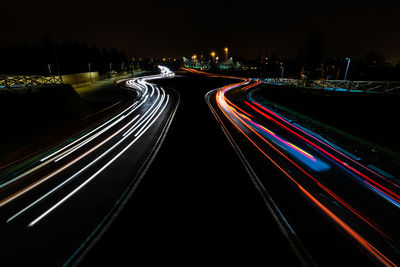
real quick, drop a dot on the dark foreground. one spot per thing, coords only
(53, 209)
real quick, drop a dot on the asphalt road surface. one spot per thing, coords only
(232, 183)
(53, 211)
(197, 205)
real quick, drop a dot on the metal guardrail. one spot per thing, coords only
(16, 81)
(339, 85)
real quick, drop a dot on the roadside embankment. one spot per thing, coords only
(39, 118)
(362, 123)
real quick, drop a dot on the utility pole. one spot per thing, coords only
(90, 72)
(347, 68)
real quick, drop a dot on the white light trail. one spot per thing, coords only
(27, 189)
(95, 174)
(145, 121)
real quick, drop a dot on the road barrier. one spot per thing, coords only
(76, 79)
(339, 85)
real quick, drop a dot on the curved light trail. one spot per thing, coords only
(308, 162)
(113, 137)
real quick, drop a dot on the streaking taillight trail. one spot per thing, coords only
(251, 119)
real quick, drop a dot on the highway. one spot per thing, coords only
(197, 203)
(331, 207)
(55, 210)
(190, 210)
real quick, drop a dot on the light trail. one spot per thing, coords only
(239, 118)
(378, 188)
(374, 251)
(47, 212)
(75, 175)
(145, 120)
(307, 159)
(322, 143)
(72, 150)
(40, 181)
(141, 121)
(55, 155)
(69, 164)
(151, 115)
(84, 136)
(64, 167)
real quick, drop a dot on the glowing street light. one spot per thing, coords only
(226, 50)
(213, 55)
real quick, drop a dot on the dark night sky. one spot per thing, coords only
(173, 28)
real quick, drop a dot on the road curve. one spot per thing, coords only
(53, 211)
(356, 200)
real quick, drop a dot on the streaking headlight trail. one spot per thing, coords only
(88, 177)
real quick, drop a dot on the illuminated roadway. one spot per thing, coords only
(53, 211)
(331, 208)
(346, 212)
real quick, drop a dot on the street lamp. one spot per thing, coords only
(213, 55)
(226, 49)
(347, 68)
(194, 59)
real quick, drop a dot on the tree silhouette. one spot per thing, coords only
(71, 57)
(314, 51)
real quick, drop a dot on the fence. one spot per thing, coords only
(12, 81)
(339, 85)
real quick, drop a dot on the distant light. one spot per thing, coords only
(213, 54)
(226, 49)
(164, 59)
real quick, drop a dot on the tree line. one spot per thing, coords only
(51, 57)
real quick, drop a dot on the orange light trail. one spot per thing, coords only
(375, 185)
(222, 103)
(347, 228)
